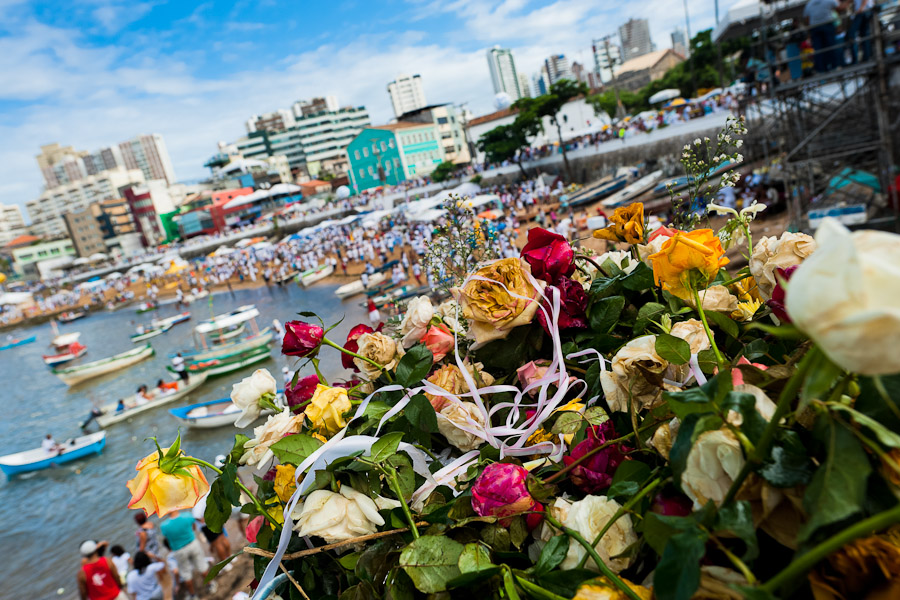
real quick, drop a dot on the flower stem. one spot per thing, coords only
(709, 334)
(737, 562)
(605, 570)
(537, 591)
(328, 342)
(391, 475)
(808, 560)
(241, 485)
(736, 279)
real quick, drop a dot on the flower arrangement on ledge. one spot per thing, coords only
(639, 424)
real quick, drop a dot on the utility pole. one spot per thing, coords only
(687, 23)
(620, 109)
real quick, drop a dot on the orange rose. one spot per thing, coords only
(157, 491)
(688, 260)
(626, 225)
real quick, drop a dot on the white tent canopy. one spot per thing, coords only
(284, 188)
(663, 95)
(16, 298)
(98, 257)
(427, 216)
(466, 189)
(246, 199)
(481, 200)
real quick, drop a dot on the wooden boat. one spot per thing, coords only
(633, 190)
(149, 333)
(16, 342)
(193, 297)
(69, 316)
(175, 320)
(224, 336)
(286, 278)
(75, 350)
(598, 191)
(390, 295)
(228, 363)
(308, 278)
(147, 307)
(37, 459)
(356, 287)
(111, 417)
(210, 414)
(65, 340)
(75, 375)
(251, 341)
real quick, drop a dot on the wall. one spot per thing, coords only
(364, 163)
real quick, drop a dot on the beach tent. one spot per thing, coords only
(481, 200)
(466, 189)
(99, 256)
(663, 95)
(427, 216)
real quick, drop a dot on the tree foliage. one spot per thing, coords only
(443, 171)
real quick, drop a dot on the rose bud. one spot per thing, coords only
(439, 340)
(302, 391)
(501, 491)
(253, 527)
(596, 472)
(352, 345)
(301, 339)
(549, 255)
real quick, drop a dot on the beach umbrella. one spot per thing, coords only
(663, 95)
(490, 215)
(675, 103)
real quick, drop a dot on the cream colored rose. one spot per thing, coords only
(256, 451)
(770, 253)
(451, 379)
(456, 414)
(450, 313)
(379, 348)
(693, 333)
(588, 516)
(764, 405)
(712, 465)
(716, 298)
(246, 394)
(620, 258)
(336, 517)
(627, 377)
(416, 320)
(846, 297)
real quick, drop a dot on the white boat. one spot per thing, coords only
(175, 320)
(210, 414)
(111, 417)
(38, 458)
(356, 287)
(65, 340)
(75, 375)
(149, 333)
(75, 350)
(252, 341)
(220, 338)
(313, 275)
(192, 297)
(632, 190)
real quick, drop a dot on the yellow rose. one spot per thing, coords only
(156, 491)
(326, 409)
(688, 260)
(603, 590)
(488, 302)
(450, 378)
(379, 348)
(771, 253)
(626, 225)
(285, 485)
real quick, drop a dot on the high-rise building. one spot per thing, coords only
(60, 164)
(607, 57)
(406, 94)
(85, 233)
(524, 86)
(305, 108)
(277, 120)
(504, 76)
(585, 75)
(541, 82)
(12, 225)
(635, 36)
(680, 42)
(557, 67)
(149, 154)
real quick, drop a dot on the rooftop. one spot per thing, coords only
(396, 126)
(645, 61)
(23, 240)
(506, 112)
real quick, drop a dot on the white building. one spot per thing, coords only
(12, 225)
(680, 42)
(277, 120)
(607, 59)
(557, 67)
(524, 87)
(406, 94)
(504, 76)
(635, 36)
(149, 154)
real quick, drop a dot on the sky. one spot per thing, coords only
(92, 73)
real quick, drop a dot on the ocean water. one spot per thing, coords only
(45, 515)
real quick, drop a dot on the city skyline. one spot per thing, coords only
(71, 74)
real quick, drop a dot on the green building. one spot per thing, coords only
(389, 154)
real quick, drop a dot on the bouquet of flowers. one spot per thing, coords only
(637, 424)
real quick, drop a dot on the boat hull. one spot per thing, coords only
(63, 358)
(18, 343)
(146, 336)
(317, 275)
(110, 418)
(257, 341)
(356, 287)
(234, 365)
(75, 375)
(214, 417)
(87, 445)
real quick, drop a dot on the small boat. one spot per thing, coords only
(210, 414)
(220, 337)
(390, 295)
(111, 417)
(308, 278)
(598, 191)
(75, 350)
(175, 320)
(75, 375)
(251, 341)
(633, 190)
(193, 297)
(356, 287)
(228, 363)
(286, 278)
(37, 459)
(69, 316)
(147, 307)
(16, 342)
(65, 340)
(149, 333)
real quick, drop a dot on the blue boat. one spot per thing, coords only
(37, 459)
(18, 342)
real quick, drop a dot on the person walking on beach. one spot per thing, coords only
(178, 365)
(179, 531)
(98, 578)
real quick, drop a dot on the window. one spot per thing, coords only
(366, 152)
(391, 143)
(371, 171)
(387, 167)
(374, 148)
(442, 120)
(362, 173)
(356, 154)
(383, 147)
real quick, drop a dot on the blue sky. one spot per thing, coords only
(90, 73)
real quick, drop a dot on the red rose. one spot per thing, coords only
(596, 473)
(776, 302)
(671, 505)
(301, 391)
(573, 302)
(352, 345)
(301, 339)
(549, 255)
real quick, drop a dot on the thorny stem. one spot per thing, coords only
(394, 484)
(241, 485)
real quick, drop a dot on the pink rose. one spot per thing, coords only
(671, 505)
(501, 491)
(549, 255)
(253, 528)
(573, 301)
(531, 372)
(737, 376)
(439, 340)
(301, 339)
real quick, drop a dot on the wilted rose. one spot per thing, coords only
(655, 243)
(455, 415)
(573, 302)
(301, 339)
(379, 348)
(596, 472)
(246, 394)
(588, 516)
(671, 505)
(693, 333)
(627, 378)
(451, 379)
(352, 345)
(336, 517)
(501, 491)
(301, 391)
(256, 451)
(715, 298)
(771, 253)
(549, 255)
(285, 483)
(439, 340)
(776, 302)
(713, 463)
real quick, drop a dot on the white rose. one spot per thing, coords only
(256, 451)
(717, 299)
(712, 465)
(846, 297)
(588, 516)
(763, 404)
(336, 517)
(416, 321)
(626, 378)
(246, 394)
(455, 414)
(619, 258)
(693, 333)
(449, 311)
(771, 253)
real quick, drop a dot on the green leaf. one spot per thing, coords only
(723, 322)
(789, 464)
(879, 398)
(218, 508)
(820, 378)
(565, 583)
(596, 415)
(229, 484)
(678, 573)
(518, 531)
(214, 570)
(421, 414)
(385, 447)
(474, 557)
(707, 361)
(691, 400)
(755, 349)
(414, 366)
(472, 577)
(496, 537)
(753, 424)
(553, 553)
(294, 449)
(602, 287)
(348, 561)
(376, 409)
(885, 435)
(838, 488)
(361, 591)
(431, 561)
(659, 528)
(737, 517)
(623, 489)
(592, 378)
(237, 451)
(640, 279)
(567, 422)
(605, 313)
(631, 470)
(520, 346)
(509, 585)
(648, 313)
(673, 349)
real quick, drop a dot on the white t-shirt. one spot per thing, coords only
(145, 585)
(49, 445)
(178, 363)
(121, 563)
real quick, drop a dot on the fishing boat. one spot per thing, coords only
(390, 295)
(147, 307)
(111, 417)
(599, 190)
(229, 334)
(75, 375)
(146, 334)
(75, 350)
(227, 363)
(16, 342)
(307, 278)
(286, 278)
(210, 414)
(175, 320)
(38, 458)
(69, 316)
(263, 338)
(633, 190)
(65, 340)
(356, 287)
(193, 297)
